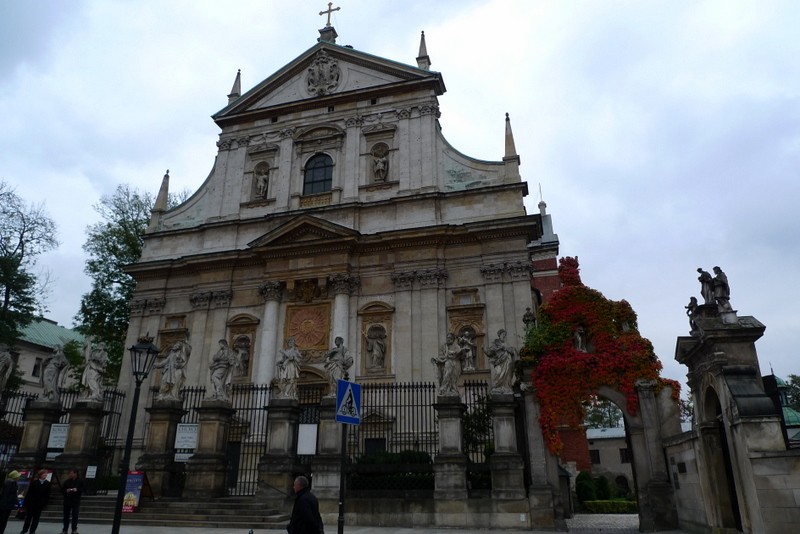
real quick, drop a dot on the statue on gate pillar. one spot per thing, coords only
(173, 375)
(288, 370)
(96, 359)
(55, 367)
(337, 362)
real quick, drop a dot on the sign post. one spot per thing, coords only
(348, 412)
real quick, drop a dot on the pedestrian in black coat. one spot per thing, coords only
(305, 512)
(8, 498)
(35, 501)
(72, 488)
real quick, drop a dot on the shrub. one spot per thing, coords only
(584, 487)
(611, 507)
(602, 488)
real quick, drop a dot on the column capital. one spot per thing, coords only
(343, 283)
(271, 290)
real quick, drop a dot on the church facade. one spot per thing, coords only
(336, 208)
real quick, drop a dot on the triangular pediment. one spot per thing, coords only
(322, 71)
(303, 230)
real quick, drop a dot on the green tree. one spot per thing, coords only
(113, 243)
(26, 231)
(602, 413)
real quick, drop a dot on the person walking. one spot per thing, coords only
(8, 498)
(72, 488)
(35, 501)
(305, 512)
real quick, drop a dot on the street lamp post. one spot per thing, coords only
(143, 356)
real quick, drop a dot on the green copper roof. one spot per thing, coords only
(46, 333)
(791, 417)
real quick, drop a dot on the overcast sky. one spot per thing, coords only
(665, 135)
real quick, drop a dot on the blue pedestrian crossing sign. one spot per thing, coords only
(348, 402)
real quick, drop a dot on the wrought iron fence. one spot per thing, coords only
(246, 437)
(478, 435)
(393, 448)
(12, 417)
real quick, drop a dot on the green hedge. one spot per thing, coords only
(611, 507)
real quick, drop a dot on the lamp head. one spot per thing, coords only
(143, 356)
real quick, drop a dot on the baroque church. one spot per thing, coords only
(336, 207)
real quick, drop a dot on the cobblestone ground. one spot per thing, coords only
(611, 523)
(608, 523)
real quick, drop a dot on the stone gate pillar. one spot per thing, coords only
(39, 417)
(506, 464)
(205, 470)
(83, 436)
(158, 460)
(275, 470)
(326, 465)
(450, 465)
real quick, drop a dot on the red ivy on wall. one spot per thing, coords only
(584, 341)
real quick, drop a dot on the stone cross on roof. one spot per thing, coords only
(329, 11)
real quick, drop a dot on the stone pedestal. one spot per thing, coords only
(450, 465)
(507, 467)
(326, 465)
(275, 470)
(39, 417)
(158, 460)
(83, 437)
(205, 470)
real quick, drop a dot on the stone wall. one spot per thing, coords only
(776, 476)
(682, 461)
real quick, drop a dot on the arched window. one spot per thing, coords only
(319, 174)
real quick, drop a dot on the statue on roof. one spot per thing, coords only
(722, 291)
(706, 286)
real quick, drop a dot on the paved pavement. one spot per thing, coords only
(580, 524)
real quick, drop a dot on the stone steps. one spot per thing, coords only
(230, 512)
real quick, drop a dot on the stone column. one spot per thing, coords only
(271, 292)
(205, 470)
(450, 465)
(505, 462)
(158, 459)
(548, 508)
(275, 470)
(83, 436)
(39, 417)
(343, 286)
(327, 463)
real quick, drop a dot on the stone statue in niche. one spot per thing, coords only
(380, 162)
(288, 367)
(261, 178)
(337, 362)
(173, 374)
(96, 359)
(55, 367)
(467, 339)
(376, 347)
(323, 75)
(448, 366)
(501, 356)
(579, 339)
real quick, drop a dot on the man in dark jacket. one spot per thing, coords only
(72, 488)
(35, 501)
(305, 512)
(8, 498)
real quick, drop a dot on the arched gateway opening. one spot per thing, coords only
(585, 344)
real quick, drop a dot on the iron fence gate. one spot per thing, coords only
(391, 451)
(12, 417)
(478, 435)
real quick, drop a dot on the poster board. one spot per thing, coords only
(56, 440)
(136, 487)
(185, 441)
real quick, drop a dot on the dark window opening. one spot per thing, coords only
(625, 456)
(318, 176)
(594, 454)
